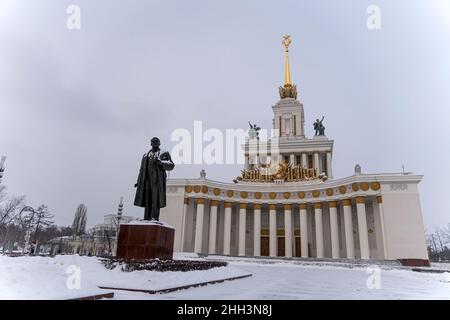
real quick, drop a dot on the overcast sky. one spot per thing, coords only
(78, 107)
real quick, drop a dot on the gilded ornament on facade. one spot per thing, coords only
(188, 189)
(244, 194)
(301, 194)
(329, 192)
(230, 193)
(258, 195)
(316, 193)
(342, 189)
(205, 189)
(364, 186)
(355, 186)
(216, 191)
(282, 171)
(375, 186)
(197, 189)
(272, 195)
(287, 195)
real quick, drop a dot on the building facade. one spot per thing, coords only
(287, 203)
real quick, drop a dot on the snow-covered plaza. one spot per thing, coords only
(73, 276)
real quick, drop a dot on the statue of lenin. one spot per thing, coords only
(151, 183)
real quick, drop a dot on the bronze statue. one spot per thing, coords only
(319, 127)
(151, 183)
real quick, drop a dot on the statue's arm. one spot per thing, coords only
(166, 161)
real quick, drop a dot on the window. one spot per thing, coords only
(310, 161)
(324, 164)
(287, 126)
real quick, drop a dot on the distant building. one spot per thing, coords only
(100, 240)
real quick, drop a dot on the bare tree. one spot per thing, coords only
(79, 221)
(41, 219)
(9, 208)
(437, 232)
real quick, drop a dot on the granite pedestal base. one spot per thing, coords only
(144, 240)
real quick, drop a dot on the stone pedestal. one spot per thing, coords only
(141, 240)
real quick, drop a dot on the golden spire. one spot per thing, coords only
(288, 90)
(287, 77)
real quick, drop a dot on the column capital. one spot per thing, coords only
(257, 206)
(287, 206)
(214, 203)
(302, 206)
(228, 204)
(317, 205)
(347, 202)
(200, 200)
(379, 199)
(272, 206)
(242, 206)
(332, 204)
(186, 200)
(360, 199)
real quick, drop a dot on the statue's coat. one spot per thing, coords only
(151, 181)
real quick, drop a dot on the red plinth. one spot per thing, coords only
(145, 240)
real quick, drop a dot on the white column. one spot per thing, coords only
(199, 225)
(227, 228)
(288, 230)
(319, 229)
(273, 243)
(292, 159)
(213, 227)
(242, 228)
(247, 162)
(257, 230)
(334, 230)
(362, 227)
(303, 231)
(329, 172)
(316, 162)
(383, 231)
(183, 222)
(304, 160)
(348, 228)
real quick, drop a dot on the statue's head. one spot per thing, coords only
(317, 120)
(155, 143)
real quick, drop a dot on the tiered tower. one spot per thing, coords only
(289, 143)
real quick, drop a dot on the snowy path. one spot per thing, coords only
(48, 278)
(284, 281)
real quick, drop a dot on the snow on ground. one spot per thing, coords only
(281, 279)
(41, 278)
(45, 278)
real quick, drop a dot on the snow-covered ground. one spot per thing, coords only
(64, 277)
(46, 278)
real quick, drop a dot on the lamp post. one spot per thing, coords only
(27, 232)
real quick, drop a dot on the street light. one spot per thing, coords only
(28, 232)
